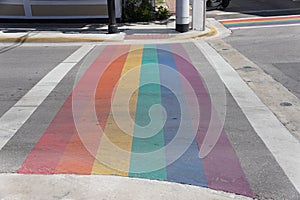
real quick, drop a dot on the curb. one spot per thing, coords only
(221, 30)
(212, 31)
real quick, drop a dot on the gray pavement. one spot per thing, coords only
(275, 50)
(258, 8)
(274, 73)
(22, 67)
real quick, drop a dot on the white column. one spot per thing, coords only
(199, 15)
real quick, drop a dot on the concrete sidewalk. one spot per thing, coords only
(14, 186)
(159, 30)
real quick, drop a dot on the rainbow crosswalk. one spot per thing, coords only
(108, 124)
(261, 22)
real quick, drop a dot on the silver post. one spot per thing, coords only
(182, 15)
(112, 24)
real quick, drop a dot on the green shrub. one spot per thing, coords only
(138, 11)
(162, 13)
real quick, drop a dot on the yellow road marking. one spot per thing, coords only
(114, 135)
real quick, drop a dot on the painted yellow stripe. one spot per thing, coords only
(119, 163)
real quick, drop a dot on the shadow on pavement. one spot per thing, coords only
(88, 26)
(265, 8)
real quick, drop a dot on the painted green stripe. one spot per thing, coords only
(145, 164)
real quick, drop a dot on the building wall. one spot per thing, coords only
(39, 9)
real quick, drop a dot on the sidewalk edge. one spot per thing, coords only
(15, 186)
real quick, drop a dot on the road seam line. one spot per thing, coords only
(17, 115)
(283, 146)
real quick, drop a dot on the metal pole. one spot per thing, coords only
(182, 15)
(112, 23)
(199, 15)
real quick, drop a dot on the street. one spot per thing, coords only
(275, 50)
(213, 112)
(257, 8)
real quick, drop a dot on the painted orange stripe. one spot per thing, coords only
(85, 98)
(260, 19)
(77, 159)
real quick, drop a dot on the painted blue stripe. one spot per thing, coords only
(187, 168)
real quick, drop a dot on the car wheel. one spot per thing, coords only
(225, 3)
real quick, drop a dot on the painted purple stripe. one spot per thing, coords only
(222, 168)
(188, 167)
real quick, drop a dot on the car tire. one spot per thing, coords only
(225, 4)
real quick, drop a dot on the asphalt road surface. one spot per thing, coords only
(254, 8)
(275, 50)
(269, 36)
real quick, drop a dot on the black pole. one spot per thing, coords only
(112, 24)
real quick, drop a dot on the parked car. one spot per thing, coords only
(219, 4)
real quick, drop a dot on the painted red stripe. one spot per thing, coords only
(77, 159)
(45, 156)
(222, 168)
